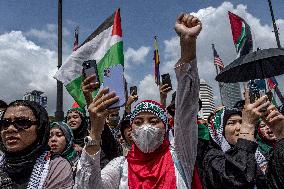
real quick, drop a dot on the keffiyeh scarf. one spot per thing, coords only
(216, 130)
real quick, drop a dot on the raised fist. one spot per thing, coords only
(188, 27)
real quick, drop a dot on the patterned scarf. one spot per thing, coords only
(216, 130)
(37, 178)
(18, 167)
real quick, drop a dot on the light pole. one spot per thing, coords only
(277, 91)
(59, 114)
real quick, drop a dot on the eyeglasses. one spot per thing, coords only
(18, 123)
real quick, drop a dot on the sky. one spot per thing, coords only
(28, 39)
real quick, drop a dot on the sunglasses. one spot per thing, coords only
(18, 123)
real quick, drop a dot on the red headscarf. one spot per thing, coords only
(151, 170)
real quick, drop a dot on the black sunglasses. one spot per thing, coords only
(18, 123)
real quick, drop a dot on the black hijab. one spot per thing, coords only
(19, 165)
(82, 131)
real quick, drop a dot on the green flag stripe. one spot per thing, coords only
(241, 38)
(112, 57)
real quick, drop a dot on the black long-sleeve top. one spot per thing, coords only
(235, 168)
(275, 169)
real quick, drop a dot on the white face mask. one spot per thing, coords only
(148, 138)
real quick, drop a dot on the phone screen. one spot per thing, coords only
(257, 90)
(133, 90)
(114, 80)
(90, 68)
(166, 79)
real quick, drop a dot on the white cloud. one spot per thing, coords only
(147, 88)
(47, 37)
(25, 67)
(217, 30)
(135, 57)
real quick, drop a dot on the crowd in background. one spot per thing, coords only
(153, 145)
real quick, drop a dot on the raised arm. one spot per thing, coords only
(275, 171)
(89, 174)
(188, 28)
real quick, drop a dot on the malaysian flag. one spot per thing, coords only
(217, 59)
(156, 62)
(76, 42)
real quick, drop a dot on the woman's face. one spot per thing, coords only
(74, 120)
(57, 141)
(14, 139)
(127, 134)
(232, 129)
(147, 118)
(266, 132)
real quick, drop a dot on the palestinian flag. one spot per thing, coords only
(241, 35)
(104, 45)
(272, 83)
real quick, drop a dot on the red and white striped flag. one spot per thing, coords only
(217, 59)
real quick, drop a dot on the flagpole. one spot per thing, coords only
(276, 33)
(274, 25)
(59, 114)
(218, 82)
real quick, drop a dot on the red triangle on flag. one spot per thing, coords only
(75, 105)
(116, 30)
(236, 26)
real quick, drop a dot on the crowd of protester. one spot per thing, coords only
(153, 145)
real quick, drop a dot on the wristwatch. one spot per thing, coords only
(91, 142)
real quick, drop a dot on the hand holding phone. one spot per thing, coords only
(114, 80)
(133, 91)
(166, 79)
(89, 69)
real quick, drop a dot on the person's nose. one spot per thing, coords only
(238, 127)
(53, 139)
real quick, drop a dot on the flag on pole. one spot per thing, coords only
(75, 46)
(272, 83)
(156, 62)
(104, 45)
(241, 34)
(76, 41)
(217, 59)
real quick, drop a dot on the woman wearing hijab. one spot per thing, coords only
(152, 161)
(233, 157)
(61, 143)
(265, 138)
(77, 121)
(26, 162)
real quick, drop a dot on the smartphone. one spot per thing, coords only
(166, 79)
(256, 90)
(114, 80)
(133, 90)
(90, 68)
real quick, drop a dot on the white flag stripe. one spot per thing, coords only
(95, 49)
